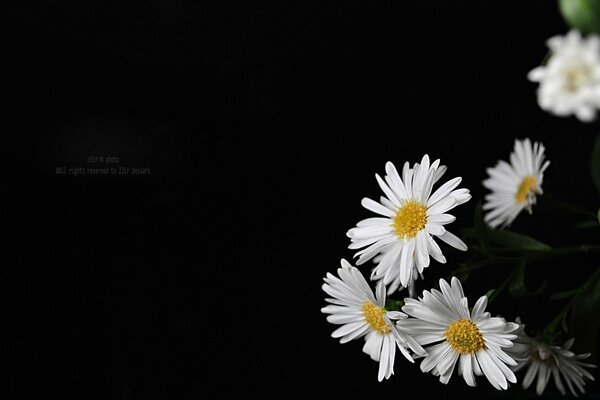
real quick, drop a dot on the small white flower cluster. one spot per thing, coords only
(439, 327)
(569, 83)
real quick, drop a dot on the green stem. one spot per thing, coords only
(532, 256)
(551, 328)
(580, 249)
(501, 287)
(497, 261)
(553, 201)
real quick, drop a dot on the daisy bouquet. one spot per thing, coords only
(402, 247)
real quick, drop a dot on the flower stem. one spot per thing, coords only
(555, 202)
(501, 287)
(560, 318)
(532, 256)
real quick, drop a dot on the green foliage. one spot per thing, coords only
(502, 238)
(583, 15)
(583, 322)
(588, 224)
(393, 305)
(512, 240)
(517, 286)
(567, 294)
(509, 240)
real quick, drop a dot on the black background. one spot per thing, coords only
(263, 125)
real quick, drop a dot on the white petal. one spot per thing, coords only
(441, 219)
(491, 325)
(371, 251)
(434, 229)
(436, 354)
(384, 362)
(396, 315)
(356, 333)
(543, 376)
(365, 232)
(491, 371)
(419, 180)
(374, 206)
(441, 206)
(425, 314)
(530, 374)
(388, 192)
(435, 251)
(479, 308)
(508, 374)
(537, 74)
(421, 250)
(476, 369)
(392, 357)
(346, 329)
(339, 319)
(453, 241)
(370, 345)
(374, 221)
(446, 367)
(558, 381)
(396, 183)
(406, 262)
(466, 367)
(443, 191)
(380, 294)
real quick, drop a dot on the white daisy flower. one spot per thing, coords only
(362, 314)
(472, 339)
(570, 81)
(412, 287)
(543, 359)
(514, 186)
(412, 216)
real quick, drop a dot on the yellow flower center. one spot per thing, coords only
(576, 77)
(410, 219)
(528, 184)
(464, 336)
(374, 317)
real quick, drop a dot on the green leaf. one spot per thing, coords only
(393, 305)
(583, 15)
(463, 276)
(595, 165)
(517, 241)
(564, 324)
(490, 293)
(588, 224)
(517, 286)
(510, 240)
(563, 295)
(584, 323)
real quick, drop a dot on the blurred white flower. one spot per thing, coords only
(570, 81)
(543, 359)
(514, 186)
